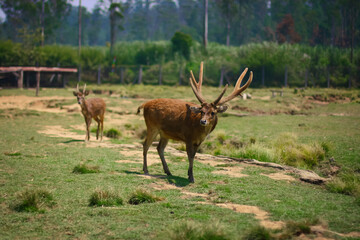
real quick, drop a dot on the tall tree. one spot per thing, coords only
(228, 8)
(20, 14)
(116, 10)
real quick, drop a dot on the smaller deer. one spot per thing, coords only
(91, 108)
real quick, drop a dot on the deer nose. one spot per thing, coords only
(203, 122)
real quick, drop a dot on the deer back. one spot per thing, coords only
(174, 119)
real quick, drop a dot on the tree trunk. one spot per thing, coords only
(112, 30)
(205, 23)
(79, 47)
(263, 76)
(122, 75)
(42, 22)
(286, 77)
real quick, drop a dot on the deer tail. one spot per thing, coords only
(139, 108)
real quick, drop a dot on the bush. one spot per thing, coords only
(142, 196)
(83, 169)
(181, 42)
(105, 198)
(112, 133)
(33, 201)
(194, 231)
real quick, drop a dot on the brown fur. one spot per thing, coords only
(92, 108)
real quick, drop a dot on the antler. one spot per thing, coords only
(77, 87)
(84, 89)
(196, 86)
(237, 90)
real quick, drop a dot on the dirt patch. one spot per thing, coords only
(279, 176)
(43, 104)
(234, 171)
(152, 158)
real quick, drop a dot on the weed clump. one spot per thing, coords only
(258, 233)
(194, 231)
(347, 182)
(33, 201)
(84, 168)
(105, 198)
(112, 133)
(296, 154)
(142, 196)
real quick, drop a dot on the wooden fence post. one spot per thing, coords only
(122, 75)
(160, 74)
(328, 77)
(37, 83)
(306, 77)
(140, 75)
(20, 79)
(222, 76)
(263, 76)
(286, 77)
(180, 75)
(99, 75)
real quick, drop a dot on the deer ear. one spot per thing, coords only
(86, 92)
(75, 93)
(222, 108)
(195, 109)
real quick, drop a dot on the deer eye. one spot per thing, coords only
(212, 114)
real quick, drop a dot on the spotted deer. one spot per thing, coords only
(91, 108)
(185, 121)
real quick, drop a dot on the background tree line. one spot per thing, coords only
(308, 40)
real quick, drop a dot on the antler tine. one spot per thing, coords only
(238, 90)
(195, 90)
(84, 88)
(77, 87)
(220, 96)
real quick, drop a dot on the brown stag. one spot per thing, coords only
(185, 121)
(91, 108)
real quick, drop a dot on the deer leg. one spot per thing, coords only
(102, 126)
(88, 123)
(160, 148)
(148, 141)
(98, 127)
(191, 151)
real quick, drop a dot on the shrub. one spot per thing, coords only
(194, 231)
(112, 133)
(105, 198)
(347, 182)
(33, 201)
(181, 42)
(258, 233)
(83, 169)
(142, 196)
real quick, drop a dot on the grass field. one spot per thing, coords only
(55, 186)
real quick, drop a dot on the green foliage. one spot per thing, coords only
(33, 201)
(142, 196)
(112, 133)
(182, 42)
(347, 182)
(84, 168)
(105, 198)
(195, 231)
(257, 233)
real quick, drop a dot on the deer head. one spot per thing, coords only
(209, 110)
(80, 95)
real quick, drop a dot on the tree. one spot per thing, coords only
(285, 31)
(228, 9)
(20, 14)
(116, 10)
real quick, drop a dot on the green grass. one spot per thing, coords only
(36, 200)
(33, 160)
(105, 198)
(84, 168)
(142, 196)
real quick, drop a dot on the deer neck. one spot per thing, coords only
(84, 107)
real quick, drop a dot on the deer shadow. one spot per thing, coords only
(174, 180)
(74, 140)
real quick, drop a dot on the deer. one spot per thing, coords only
(91, 108)
(185, 121)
